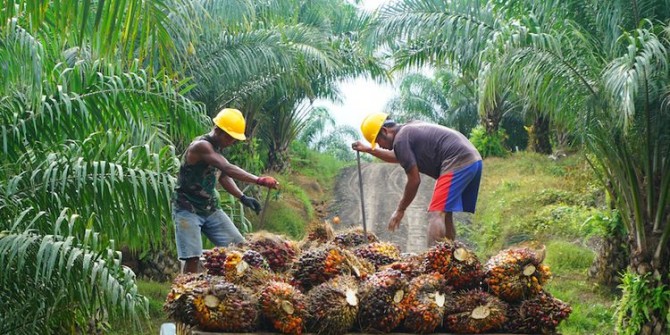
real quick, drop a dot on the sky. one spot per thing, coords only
(359, 96)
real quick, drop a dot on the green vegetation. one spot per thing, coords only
(529, 198)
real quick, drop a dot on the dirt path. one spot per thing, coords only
(383, 185)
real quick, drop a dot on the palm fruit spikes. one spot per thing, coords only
(280, 253)
(355, 237)
(215, 260)
(425, 303)
(475, 312)
(379, 253)
(333, 306)
(457, 263)
(320, 265)
(382, 301)
(177, 305)
(284, 307)
(540, 314)
(211, 303)
(516, 274)
(410, 265)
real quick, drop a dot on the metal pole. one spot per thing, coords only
(360, 187)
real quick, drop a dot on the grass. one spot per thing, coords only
(528, 198)
(156, 293)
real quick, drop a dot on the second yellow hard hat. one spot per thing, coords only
(371, 126)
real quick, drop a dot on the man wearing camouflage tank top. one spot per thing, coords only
(195, 204)
(434, 150)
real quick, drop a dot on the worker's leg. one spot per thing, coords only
(221, 230)
(436, 227)
(187, 235)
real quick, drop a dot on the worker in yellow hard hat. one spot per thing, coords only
(195, 204)
(437, 151)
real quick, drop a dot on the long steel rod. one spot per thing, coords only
(360, 187)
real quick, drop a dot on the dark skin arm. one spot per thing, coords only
(383, 154)
(230, 186)
(202, 151)
(411, 188)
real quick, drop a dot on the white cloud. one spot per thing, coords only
(360, 97)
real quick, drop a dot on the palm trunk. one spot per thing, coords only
(278, 158)
(538, 136)
(658, 280)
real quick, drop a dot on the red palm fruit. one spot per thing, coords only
(540, 314)
(333, 306)
(425, 303)
(379, 253)
(516, 274)
(457, 263)
(284, 307)
(474, 312)
(354, 237)
(279, 252)
(382, 301)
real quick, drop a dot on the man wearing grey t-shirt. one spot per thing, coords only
(434, 150)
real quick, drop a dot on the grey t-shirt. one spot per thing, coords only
(434, 149)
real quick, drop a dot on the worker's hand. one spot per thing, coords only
(395, 219)
(251, 203)
(359, 146)
(267, 182)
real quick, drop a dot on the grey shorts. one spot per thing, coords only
(188, 226)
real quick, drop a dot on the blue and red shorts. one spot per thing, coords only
(457, 191)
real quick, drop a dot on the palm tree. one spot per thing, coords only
(446, 100)
(87, 132)
(604, 73)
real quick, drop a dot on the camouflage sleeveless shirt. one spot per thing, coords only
(196, 185)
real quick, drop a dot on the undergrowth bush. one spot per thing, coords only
(489, 145)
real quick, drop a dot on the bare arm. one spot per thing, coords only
(230, 186)
(411, 188)
(203, 151)
(383, 154)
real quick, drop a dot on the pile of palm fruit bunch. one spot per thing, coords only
(456, 262)
(279, 252)
(213, 304)
(538, 315)
(319, 265)
(333, 306)
(379, 253)
(354, 237)
(425, 303)
(284, 307)
(336, 283)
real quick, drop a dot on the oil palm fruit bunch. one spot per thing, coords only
(279, 252)
(178, 304)
(459, 265)
(333, 306)
(322, 264)
(320, 232)
(382, 304)
(211, 303)
(475, 312)
(354, 237)
(425, 303)
(410, 265)
(255, 259)
(540, 314)
(284, 307)
(379, 253)
(215, 260)
(517, 273)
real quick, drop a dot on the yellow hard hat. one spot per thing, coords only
(232, 122)
(371, 126)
